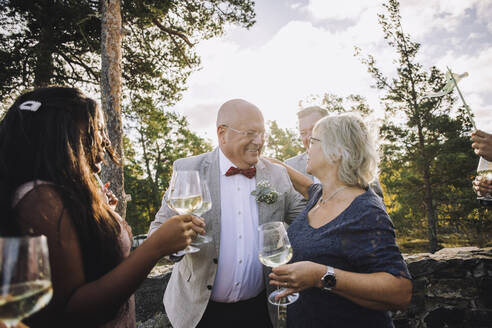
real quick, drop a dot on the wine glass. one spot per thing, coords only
(25, 277)
(484, 172)
(185, 196)
(206, 206)
(275, 250)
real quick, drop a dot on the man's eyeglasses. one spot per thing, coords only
(249, 134)
(312, 139)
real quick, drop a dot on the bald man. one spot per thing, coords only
(224, 285)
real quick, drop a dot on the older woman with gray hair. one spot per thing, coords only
(346, 264)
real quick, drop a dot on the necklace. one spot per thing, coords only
(323, 201)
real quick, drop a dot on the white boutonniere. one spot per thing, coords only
(265, 193)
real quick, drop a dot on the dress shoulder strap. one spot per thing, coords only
(24, 189)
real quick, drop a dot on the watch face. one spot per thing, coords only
(329, 281)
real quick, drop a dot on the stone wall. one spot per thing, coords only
(451, 288)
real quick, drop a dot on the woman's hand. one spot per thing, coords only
(297, 276)
(110, 197)
(177, 232)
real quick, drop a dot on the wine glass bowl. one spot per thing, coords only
(25, 277)
(206, 206)
(275, 250)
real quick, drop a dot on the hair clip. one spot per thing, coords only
(30, 105)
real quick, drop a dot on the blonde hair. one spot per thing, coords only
(310, 110)
(346, 138)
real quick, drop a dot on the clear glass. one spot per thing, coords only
(275, 250)
(185, 196)
(25, 278)
(206, 206)
(484, 171)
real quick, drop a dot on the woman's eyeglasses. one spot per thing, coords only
(312, 139)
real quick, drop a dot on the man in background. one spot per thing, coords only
(307, 119)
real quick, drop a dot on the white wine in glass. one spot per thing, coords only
(276, 258)
(185, 205)
(25, 278)
(275, 250)
(185, 196)
(206, 206)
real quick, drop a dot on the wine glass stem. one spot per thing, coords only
(278, 312)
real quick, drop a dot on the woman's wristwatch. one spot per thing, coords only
(329, 280)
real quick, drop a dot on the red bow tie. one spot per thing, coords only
(249, 173)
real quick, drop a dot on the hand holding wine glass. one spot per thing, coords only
(176, 233)
(25, 277)
(185, 196)
(275, 250)
(482, 182)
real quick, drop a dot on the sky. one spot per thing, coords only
(299, 48)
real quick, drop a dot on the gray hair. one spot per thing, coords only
(312, 109)
(346, 138)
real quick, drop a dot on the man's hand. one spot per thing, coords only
(482, 143)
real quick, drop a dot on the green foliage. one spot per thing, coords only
(160, 139)
(47, 42)
(159, 44)
(59, 42)
(336, 104)
(427, 163)
(282, 143)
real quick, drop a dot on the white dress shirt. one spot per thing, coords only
(240, 272)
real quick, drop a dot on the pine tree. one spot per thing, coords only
(423, 137)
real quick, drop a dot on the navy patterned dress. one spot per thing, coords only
(361, 239)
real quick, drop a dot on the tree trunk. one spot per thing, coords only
(431, 215)
(429, 206)
(110, 94)
(43, 71)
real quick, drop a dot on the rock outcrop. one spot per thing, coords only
(451, 288)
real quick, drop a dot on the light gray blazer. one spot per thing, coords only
(189, 288)
(299, 162)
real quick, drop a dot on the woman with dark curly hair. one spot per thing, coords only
(52, 141)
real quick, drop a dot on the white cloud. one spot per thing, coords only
(305, 58)
(484, 12)
(477, 85)
(322, 9)
(296, 5)
(299, 60)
